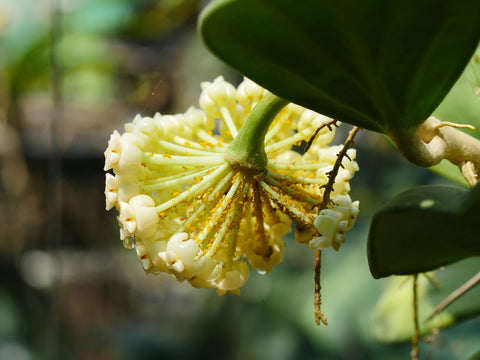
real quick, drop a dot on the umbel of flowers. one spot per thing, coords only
(191, 208)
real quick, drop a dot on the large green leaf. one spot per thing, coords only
(393, 318)
(377, 64)
(424, 228)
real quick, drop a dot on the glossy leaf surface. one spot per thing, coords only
(424, 228)
(376, 64)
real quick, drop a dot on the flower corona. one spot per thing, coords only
(192, 212)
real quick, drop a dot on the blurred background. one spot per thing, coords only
(71, 72)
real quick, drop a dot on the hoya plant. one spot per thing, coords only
(208, 194)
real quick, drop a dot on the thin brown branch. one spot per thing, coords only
(433, 280)
(336, 167)
(319, 316)
(456, 295)
(328, 124)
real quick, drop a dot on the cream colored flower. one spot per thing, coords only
(332, 223)
(194, 214)
(111, 191)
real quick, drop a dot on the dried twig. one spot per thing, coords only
(433, 280)
(319, 316)
(328, 124)
(336, 167)
(455, 295)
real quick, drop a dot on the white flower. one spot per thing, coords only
(342, 183)
(143, 256)
(184, 260)
(194, 214)
(249, 94)
(264, 259)
(332, 223)
(111, 191)
(348, 209)
(127, 189)
(311, 119)
(217, 95)
(147, 253)
(233, 279)
(142, 125)
(139, 216)
(331, 226)
(181, 254)
(112, 154)
(127, 219)
(123, 153)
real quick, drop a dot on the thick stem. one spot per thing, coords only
(434, 141)
(247, 150)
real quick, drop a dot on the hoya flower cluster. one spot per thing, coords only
(190, 212)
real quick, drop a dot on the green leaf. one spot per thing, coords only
(393, 317)
(475, 356)
(424, 228)
(473, 73)
(377, 64)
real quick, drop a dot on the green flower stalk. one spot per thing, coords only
(208, 194)
(246, 151)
